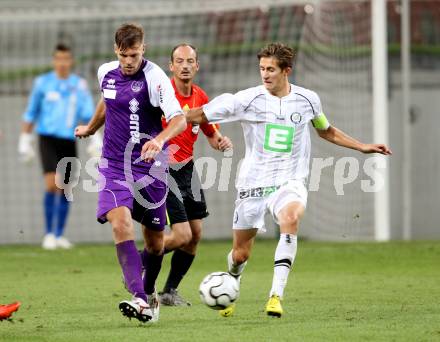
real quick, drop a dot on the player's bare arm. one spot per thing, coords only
(220, 142)
(97, 121)
(338, 137)
(196, 116)
(153, 147)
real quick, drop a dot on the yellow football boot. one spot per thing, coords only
(228, 311)
(273, 306)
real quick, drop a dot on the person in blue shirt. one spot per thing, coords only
(58, 102)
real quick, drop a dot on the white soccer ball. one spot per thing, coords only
(218, 290)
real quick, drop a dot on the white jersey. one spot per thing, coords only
(275, 130)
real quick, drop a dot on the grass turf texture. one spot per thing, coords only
(351, 292)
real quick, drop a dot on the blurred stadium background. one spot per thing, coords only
(333, 41)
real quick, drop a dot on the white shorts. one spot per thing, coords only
(250, 211)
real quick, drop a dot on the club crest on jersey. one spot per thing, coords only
(295, 118)
(136, 86)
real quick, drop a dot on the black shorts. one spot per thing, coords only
(52, 150)
(188, 202)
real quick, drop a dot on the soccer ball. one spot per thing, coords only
(219, 290)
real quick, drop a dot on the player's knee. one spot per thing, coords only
(191, 247)
(52, 188)
(196, 237)
(156, 249)
(291, 220)
(186, 237)
(182, 235)
(121, 227)
(155, 246)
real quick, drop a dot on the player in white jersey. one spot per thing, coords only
(275, 118)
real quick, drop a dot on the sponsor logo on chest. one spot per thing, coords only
(278, 138)
(134, 121)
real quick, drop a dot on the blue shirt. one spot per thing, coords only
(56, 106)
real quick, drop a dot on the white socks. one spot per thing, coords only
(284, 257)
(234, 269)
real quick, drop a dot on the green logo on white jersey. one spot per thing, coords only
(279, 138)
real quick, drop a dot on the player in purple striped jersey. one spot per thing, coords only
(133, 170)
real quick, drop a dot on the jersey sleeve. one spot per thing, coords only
(34, 103)
(102, 70)
(224, 108)
(162, 94)
(319, 120)
(207, 128)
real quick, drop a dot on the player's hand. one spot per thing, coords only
(82, 131)
(26, 151)
(151, 149)
(224, 144)
(376, 148)
(95, 146)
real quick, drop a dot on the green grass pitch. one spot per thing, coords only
(336, 292)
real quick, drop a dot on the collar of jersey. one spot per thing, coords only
(141, 69)
(276, 97)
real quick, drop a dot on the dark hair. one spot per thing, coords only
(180, 45)
(281, 52)
(62, 47)
(128, 35)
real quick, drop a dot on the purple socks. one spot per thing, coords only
(130, 262)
